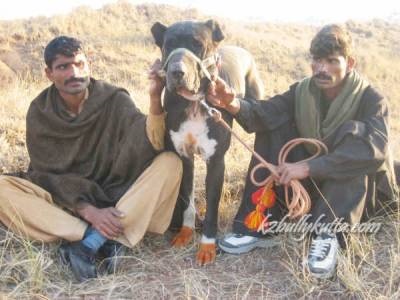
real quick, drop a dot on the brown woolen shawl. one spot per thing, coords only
(94, 157)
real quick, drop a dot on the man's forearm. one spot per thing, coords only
(155, 105)
(155, 124)
(155, 130)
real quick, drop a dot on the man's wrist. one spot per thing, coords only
(85, 211)
(318, 167)
(234, 107)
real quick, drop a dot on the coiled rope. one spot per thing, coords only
(299, 203)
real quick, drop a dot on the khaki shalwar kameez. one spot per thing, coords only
(107, 155)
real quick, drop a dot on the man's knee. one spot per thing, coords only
(7, 180)
(5, 193)
(4, 183)
(341, 199)
(4, 179)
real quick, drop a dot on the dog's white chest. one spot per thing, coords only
(192, 138)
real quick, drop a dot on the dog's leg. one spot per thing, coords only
(214, 182)
(186, 203)
(189, 215)
(254, 85)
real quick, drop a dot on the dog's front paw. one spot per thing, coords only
(183, 238)
(206, 254)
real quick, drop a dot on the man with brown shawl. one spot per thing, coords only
(338, 107)
(96, 173)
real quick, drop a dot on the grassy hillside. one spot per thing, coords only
(121, 49)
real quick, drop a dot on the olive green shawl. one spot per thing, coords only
(343, 108)
(93, 157)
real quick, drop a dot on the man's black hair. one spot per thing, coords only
(64, 45)
(332, 39)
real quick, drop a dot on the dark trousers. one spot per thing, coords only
(351, 199)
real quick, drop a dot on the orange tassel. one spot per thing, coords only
(254, 219)
(263, 198)
(268, 196)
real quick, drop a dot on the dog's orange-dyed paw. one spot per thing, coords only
(206, 254)
(183, 238)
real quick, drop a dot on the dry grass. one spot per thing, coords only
(121, 49)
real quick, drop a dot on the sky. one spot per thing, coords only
(253, 10)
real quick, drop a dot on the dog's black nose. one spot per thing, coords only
(177, 70)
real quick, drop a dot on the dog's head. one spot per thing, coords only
(189, 54)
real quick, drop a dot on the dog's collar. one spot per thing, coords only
(204, 64)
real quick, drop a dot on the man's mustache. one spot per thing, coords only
(323, 76)
(75, 79)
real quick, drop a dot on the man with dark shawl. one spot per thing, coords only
(97, 175)
(352, 181)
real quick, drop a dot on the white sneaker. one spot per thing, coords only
(322, 257)
(236, 243)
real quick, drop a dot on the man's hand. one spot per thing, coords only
(288, 171)
(105, 220)
(155, 88)
(221, 95)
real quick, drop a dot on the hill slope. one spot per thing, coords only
(121, 49)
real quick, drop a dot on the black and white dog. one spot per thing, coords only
(191, 58)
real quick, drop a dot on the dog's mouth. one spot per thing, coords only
(189, 95)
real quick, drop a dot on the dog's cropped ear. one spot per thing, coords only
(217, 33)
(158, 30)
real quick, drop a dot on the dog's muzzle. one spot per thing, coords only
(203, 64)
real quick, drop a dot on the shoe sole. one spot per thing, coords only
(328, 275)
(331, 273)
(266, 243)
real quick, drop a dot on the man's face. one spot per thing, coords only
(70, 75)
(328, 72)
